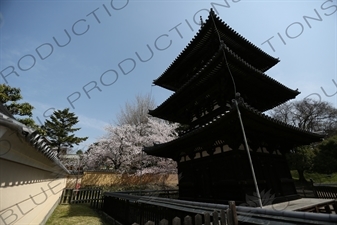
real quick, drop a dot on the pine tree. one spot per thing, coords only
(22, 112)
(59, 129)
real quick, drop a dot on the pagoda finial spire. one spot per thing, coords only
(212, 12)
(201, 21)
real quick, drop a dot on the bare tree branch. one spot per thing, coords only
(308, 114)
(136, 113)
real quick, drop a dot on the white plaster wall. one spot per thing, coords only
(27, 194)
(30, 183)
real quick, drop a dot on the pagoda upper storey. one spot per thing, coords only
(202, 48)
(216, 65)
(208, 92)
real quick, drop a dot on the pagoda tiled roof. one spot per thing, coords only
(225, 128)
(253, 85)
(207, 40)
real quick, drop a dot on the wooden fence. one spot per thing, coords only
(325, 191)
(82, 195)
(128, 208)
(226, 217)
(165, 193)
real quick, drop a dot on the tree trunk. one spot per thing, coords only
(301, 176)
(58, 151)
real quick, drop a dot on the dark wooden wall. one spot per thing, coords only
(227, 176)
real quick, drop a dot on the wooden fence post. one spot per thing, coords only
(223, 217)
(207, 218)
(66, 196)
(229, 217)
(188, 220)
(163, 222)
(232, 213)
(176, 221)
(215, 217)
(198, 219)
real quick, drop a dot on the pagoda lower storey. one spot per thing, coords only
(213, 164)
(225, 176)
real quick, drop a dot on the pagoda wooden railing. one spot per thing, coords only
(132, 209)
(227, 218)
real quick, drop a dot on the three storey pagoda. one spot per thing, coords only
(217, 66)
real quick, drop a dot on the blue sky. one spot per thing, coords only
(97, 70)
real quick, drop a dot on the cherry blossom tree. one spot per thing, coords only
(121, 147)
(114, 150)
(157, 131)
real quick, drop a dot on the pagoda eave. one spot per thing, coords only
(260, 130)
(214, 79)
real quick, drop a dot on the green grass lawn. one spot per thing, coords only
(75, 214)
(316, 177)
